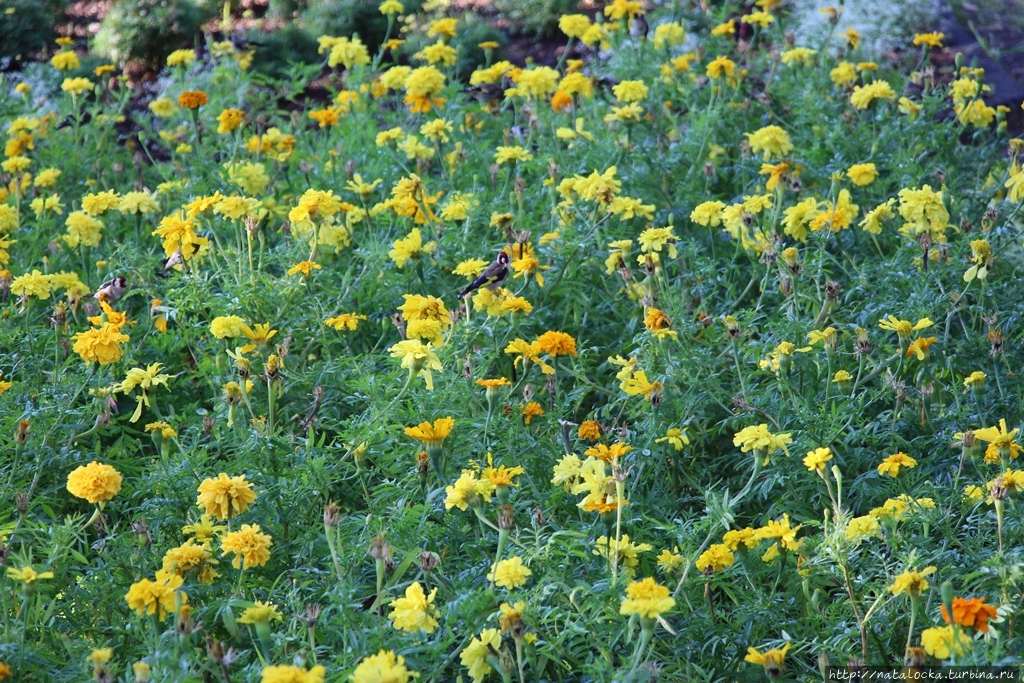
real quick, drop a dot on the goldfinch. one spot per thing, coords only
(492, 277)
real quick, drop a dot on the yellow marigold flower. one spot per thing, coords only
(864, 95)
(708, 214)
(626, 551)
(816, 459)
(529, 352)
(443, 27)
(390, 7)
(762, 19)
(474, 656)
(567, 471)
(891, 464)
(147, 379)
(179, 234)
(163, 107)
(66, 60)
(638, 385)
(155, 596)
(348, 51)
(204, 530)
(422, 86)
(799, 55)
(668, 35)
(647, 598)
(305, 268)
(230, 120)
(289, 673)
(759, 439)
(227, 327)
(940, 642)
(771, 140)
(249, 544)
(933, 39)
(83, 230)
(190, 556)
(418, 358)
(32, 284)
(538, 82)
(733, 538)
(861, 528)
(181, 57)
(260, 335)
(862, 174)
(1002, 444)
(47, 177)
(41, 205)
(415, 611)
(225, 497)
(773, 661)
(717, 557)
(192, 99)
(95, 482)
(903, 328)
(409, 247)
(630, 91)
(432, 434)
(510, 573)
(438, 53)
(504, 155)
(345, 321)
(676, 437)
(608, 453)
(658, 323)
(385, 666)
(873, 220)
(720, 67)
(100, 345)
(911, 582)
(843, 74)
(468, 491)
(28, 576)
(260, 612)
(574, 25)
(727, 28)
(920, 347)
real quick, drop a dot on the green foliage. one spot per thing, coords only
(350, 17)
(537, 18)
(281, 49)
(27, 26)
(149, 30)
(604, 202)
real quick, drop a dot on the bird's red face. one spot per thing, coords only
(503, 258)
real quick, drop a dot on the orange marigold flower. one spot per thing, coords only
(970, 613)
(561, 102)
(192, 99)
(532, 410)
(590, 430)
(557, 344)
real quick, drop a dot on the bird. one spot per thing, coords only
(70, 120)
(639, 28)
(112, 290)
(168, 264)
(492, 277)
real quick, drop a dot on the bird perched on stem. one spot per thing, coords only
(112, 290)
(492, 277)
